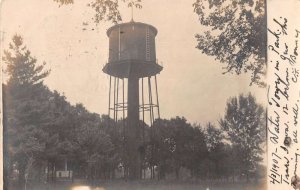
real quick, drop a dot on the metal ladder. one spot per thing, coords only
(147, 44)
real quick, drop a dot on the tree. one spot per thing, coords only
(213, 137)
(106, 10)
(176, 144)
(182, 137)
(216, 149)
(93, 146)
(21, 66)
(199, 151)
(244, 124)
(25, 99)
(160, 148)
(236, 35)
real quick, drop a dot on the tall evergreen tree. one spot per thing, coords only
(25, 99)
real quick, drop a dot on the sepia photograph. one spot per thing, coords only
(134, 94)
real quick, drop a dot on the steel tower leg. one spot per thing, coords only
(115, 99)
(157, 102)
(109, 97)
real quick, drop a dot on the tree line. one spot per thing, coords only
(42, 129)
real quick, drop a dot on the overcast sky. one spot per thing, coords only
(190, 85)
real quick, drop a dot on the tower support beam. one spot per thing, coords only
(133, 129)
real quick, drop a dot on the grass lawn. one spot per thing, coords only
(151, 185)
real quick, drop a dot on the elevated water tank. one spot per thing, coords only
(132, 50)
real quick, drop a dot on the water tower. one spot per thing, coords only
(132, 67)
